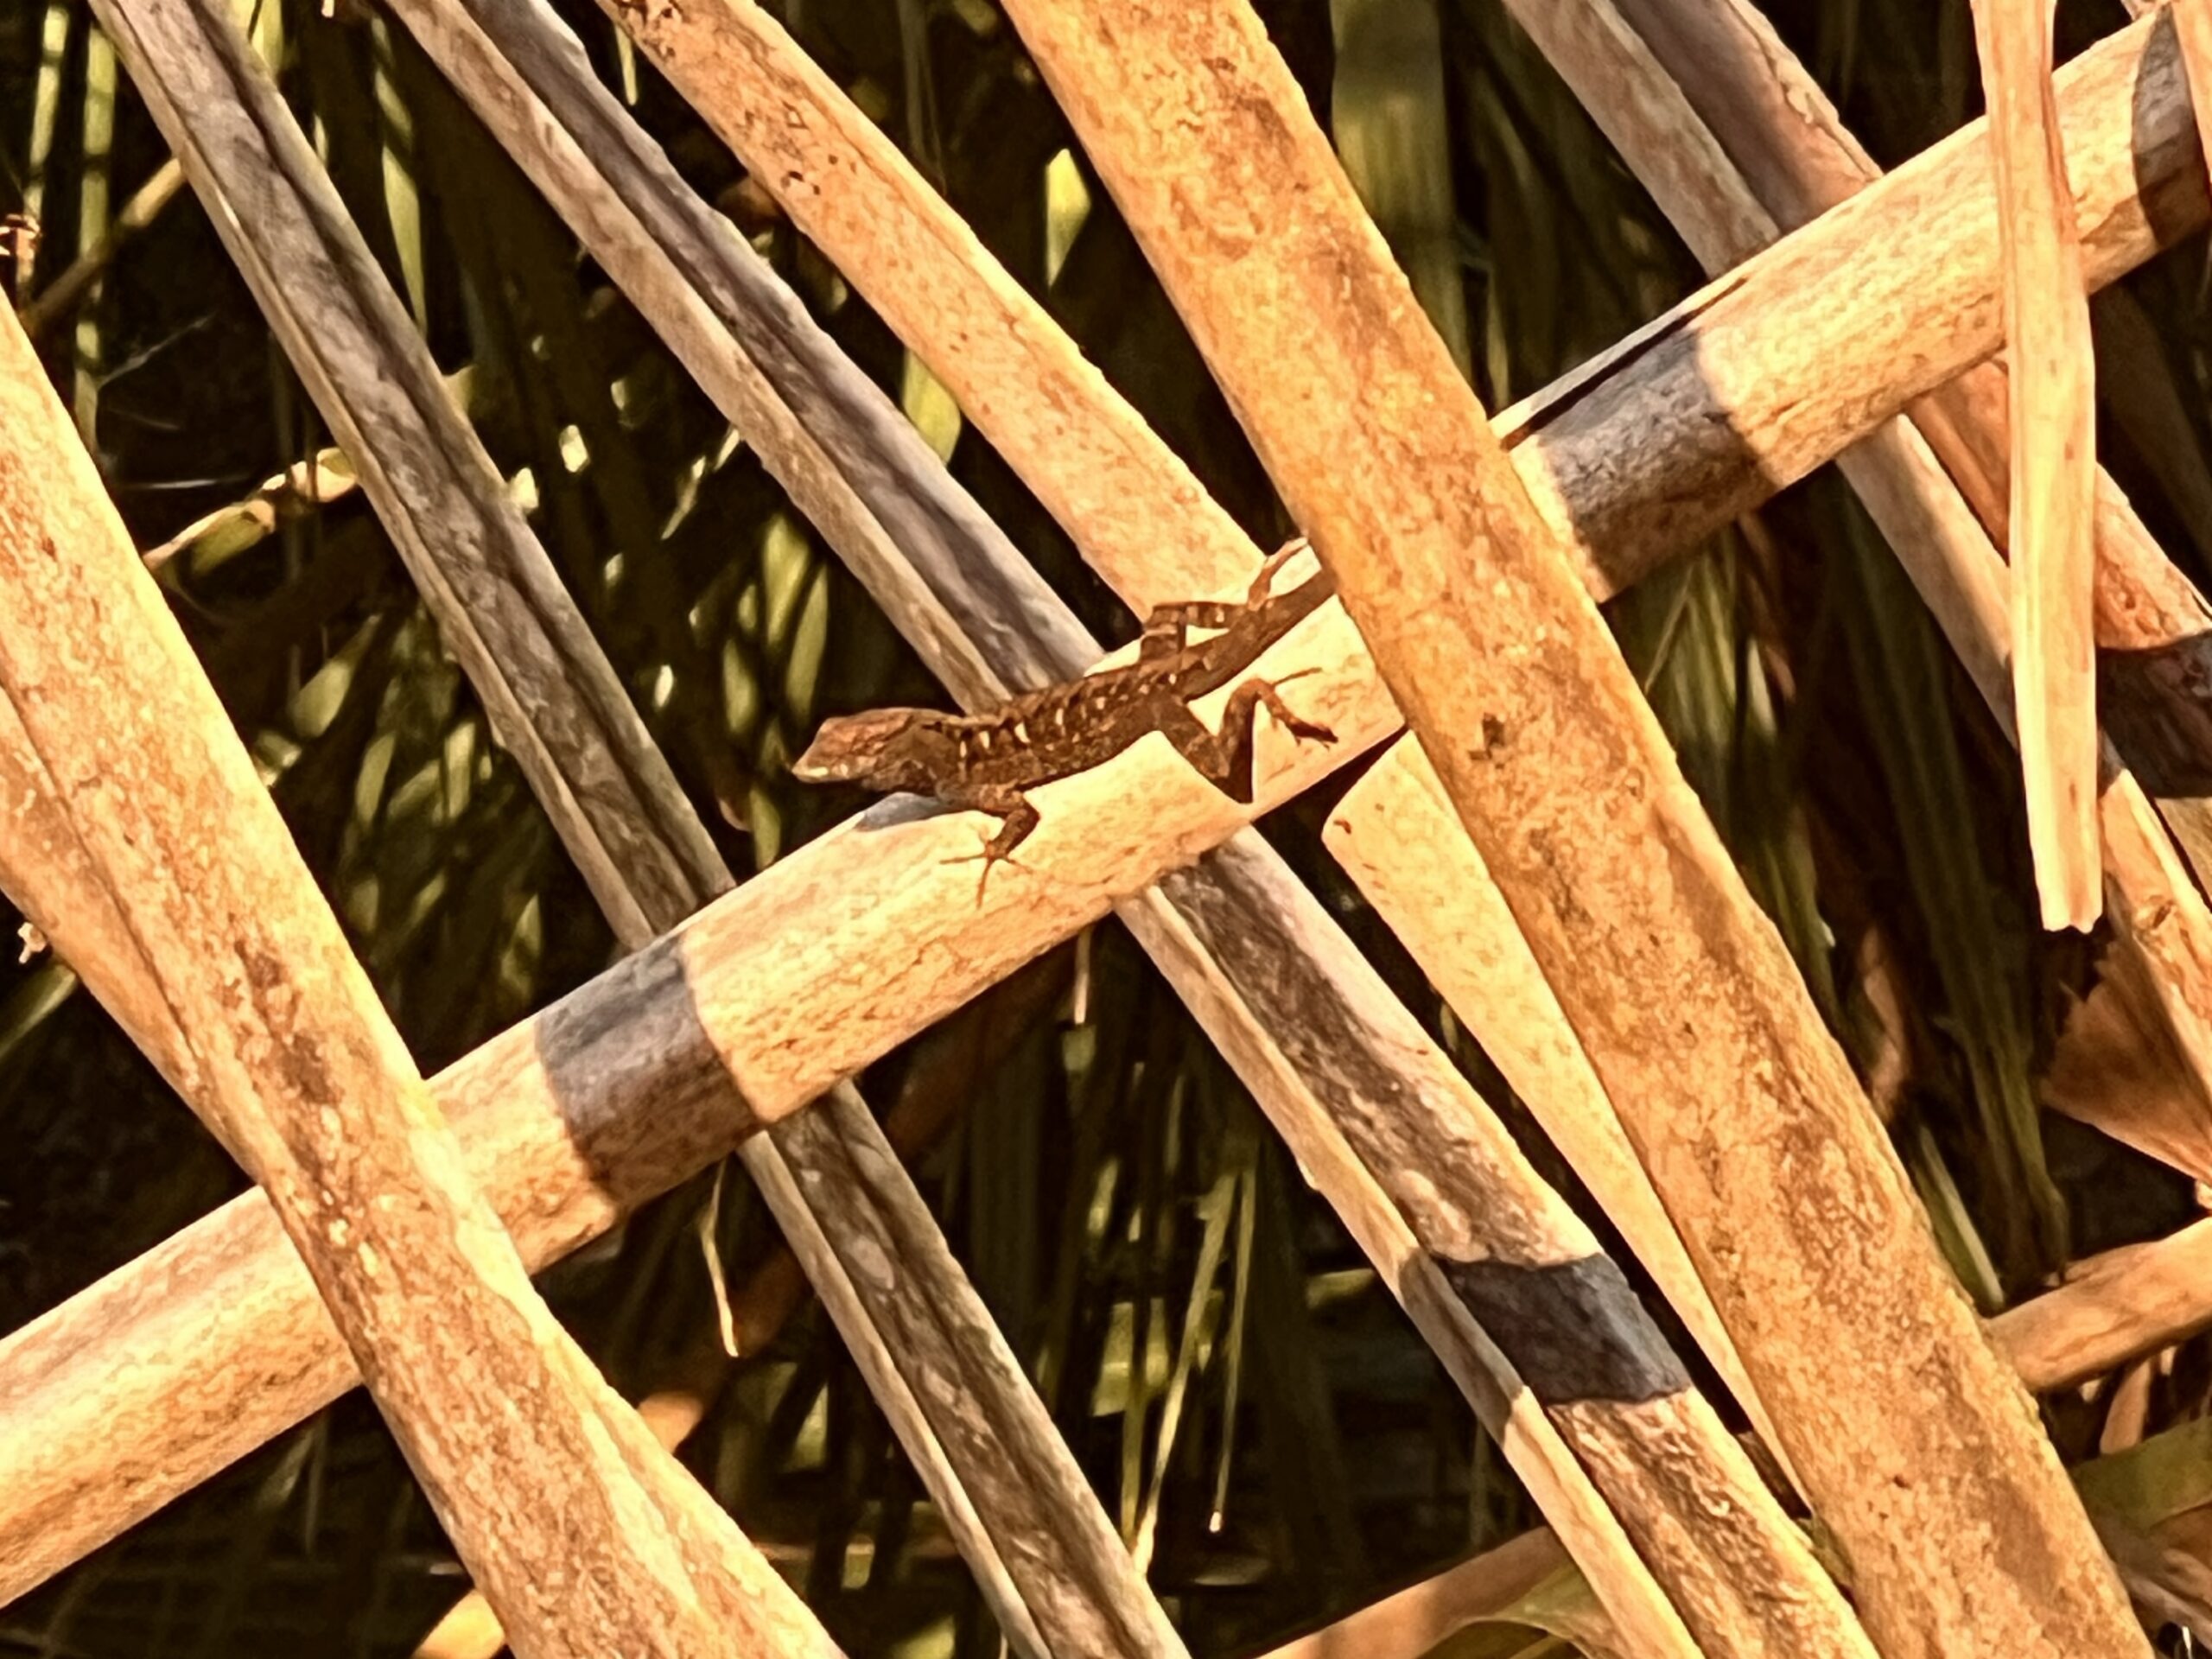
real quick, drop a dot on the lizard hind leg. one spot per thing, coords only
(1265, 693)
(1297, 726)
(1224, 759)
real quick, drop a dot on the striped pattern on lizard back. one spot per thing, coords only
(1064, 729)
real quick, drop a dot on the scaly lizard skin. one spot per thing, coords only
(985, 762)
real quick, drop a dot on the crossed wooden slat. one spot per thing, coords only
(1127, 826)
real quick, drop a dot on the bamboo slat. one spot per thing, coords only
(279, 1040)
(1048, 1559)
(1747, 88)
(1788, 154)
(1780, 130)
(2112, 1309)
(1733, 138)
(2053, 516)
(1269, 959)
(1898, 291)
(1744, 1110)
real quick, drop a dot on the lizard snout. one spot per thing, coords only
(821, 765)
(880, 749)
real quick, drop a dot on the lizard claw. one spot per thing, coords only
(1301, 729)
(986, 858)
(1263, 584)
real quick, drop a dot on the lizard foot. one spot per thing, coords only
(988, 859)
(1263, 584)
(1301, 729)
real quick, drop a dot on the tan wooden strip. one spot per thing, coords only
(1762, 106)
(2053, 460)
(1016, 373)
(1775, 122)
(935, 1091)
(2159, 918)
(1909, 270)
(1779, 128)
(1048, 1559)
(2112, 1309)
(1743, 1110)
(1428, 1182)
(1449, 913)
(585, 1536)
(1441, 900)
(1266, 969)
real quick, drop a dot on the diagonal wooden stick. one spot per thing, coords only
(2054, 459)
(1056, 1576)
(1736, 142)
(1796, 158)
(276, 1037)
(1739, 1103)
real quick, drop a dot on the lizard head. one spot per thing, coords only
(884, 749)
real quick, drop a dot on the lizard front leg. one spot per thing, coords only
(1224, 759)
(1017, 819)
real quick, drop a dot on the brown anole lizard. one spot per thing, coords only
(986, 762)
